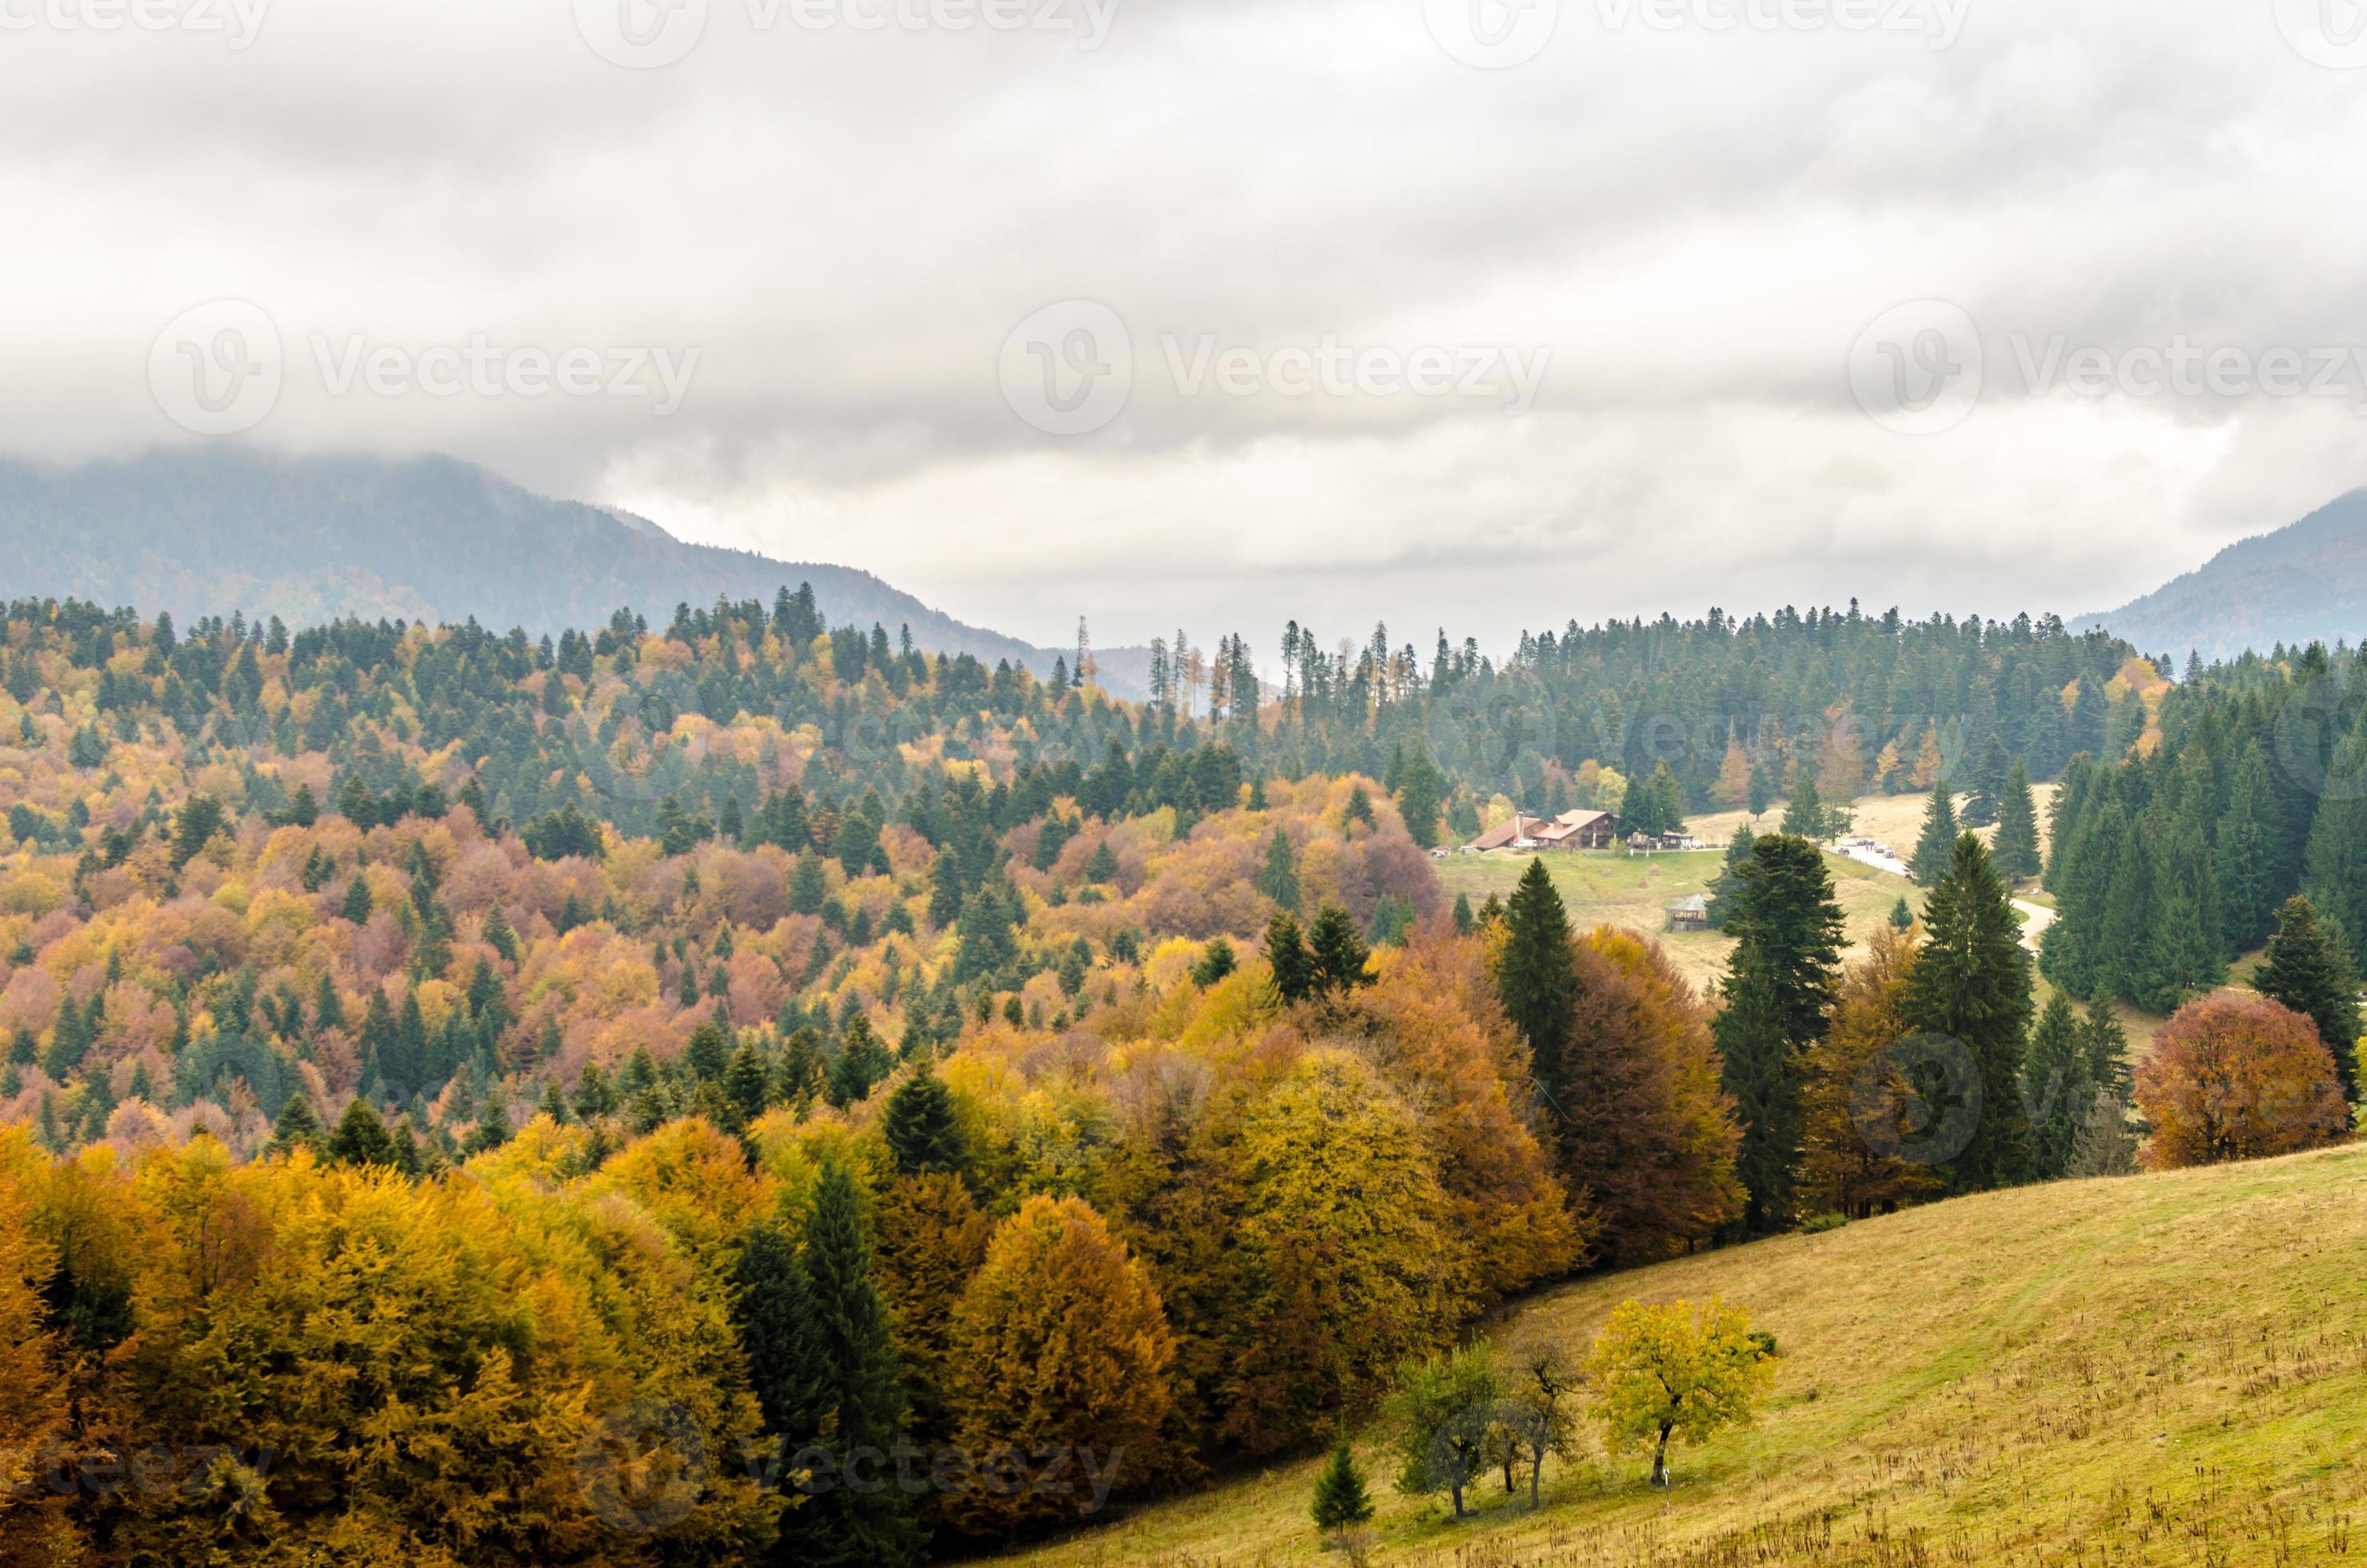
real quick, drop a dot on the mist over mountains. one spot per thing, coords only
(310, 539)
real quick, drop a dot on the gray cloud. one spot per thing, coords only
(1696, 226)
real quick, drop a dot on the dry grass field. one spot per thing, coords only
(2161, 1369)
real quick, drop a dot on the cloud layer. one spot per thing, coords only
(1688, 225)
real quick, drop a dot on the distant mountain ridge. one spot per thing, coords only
(309, 539)
(2304, 582)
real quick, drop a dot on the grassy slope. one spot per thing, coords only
(2164, 1369)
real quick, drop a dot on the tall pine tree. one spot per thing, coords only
(1536, 977)
(1938, 843)
(2308, 968)
(1971, 985)
(2017, 837)
(1786, 966)
(852, 1528)
(2056, 1092)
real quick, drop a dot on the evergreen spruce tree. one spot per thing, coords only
(1279, 879)
(1971, 985)
(1804, 814)
(708, 1053)
(2057, 1095)
(1338, 955)
(922, 1128)
(1465, 921)
(1938, 844)
(2241, 862)
(1786, 962)
(1536, 976)
(773, 1309)
(297, 1127)
(361, 1138)
(2106, 1046)
(1286, 950)
(1902, 915)
(746, 1083)
(1341, 1501)
(2016, 850)
(2308, 968)
(863, 1387)
(1728, 885)
(356, 908)
(2334, 869)
(807, 887)
(1984, 803)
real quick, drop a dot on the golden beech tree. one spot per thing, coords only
(33, 1524)
(2236, 1078)
(929, 1237)
(1060, 1346)
(1840, 1171)
(1346, 1267)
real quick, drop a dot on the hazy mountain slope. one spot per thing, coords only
(308, 538)
(2302, 584)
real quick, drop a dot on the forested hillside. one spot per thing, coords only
(2176, 854)
(473, 1098)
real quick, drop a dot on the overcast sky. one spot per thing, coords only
(1215, 312)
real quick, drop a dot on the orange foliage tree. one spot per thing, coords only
(2237, 1078)
(1646, 1133)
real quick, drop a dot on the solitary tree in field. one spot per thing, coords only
(1444, 1410)
(1677, 1374)
(1341, 1501)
